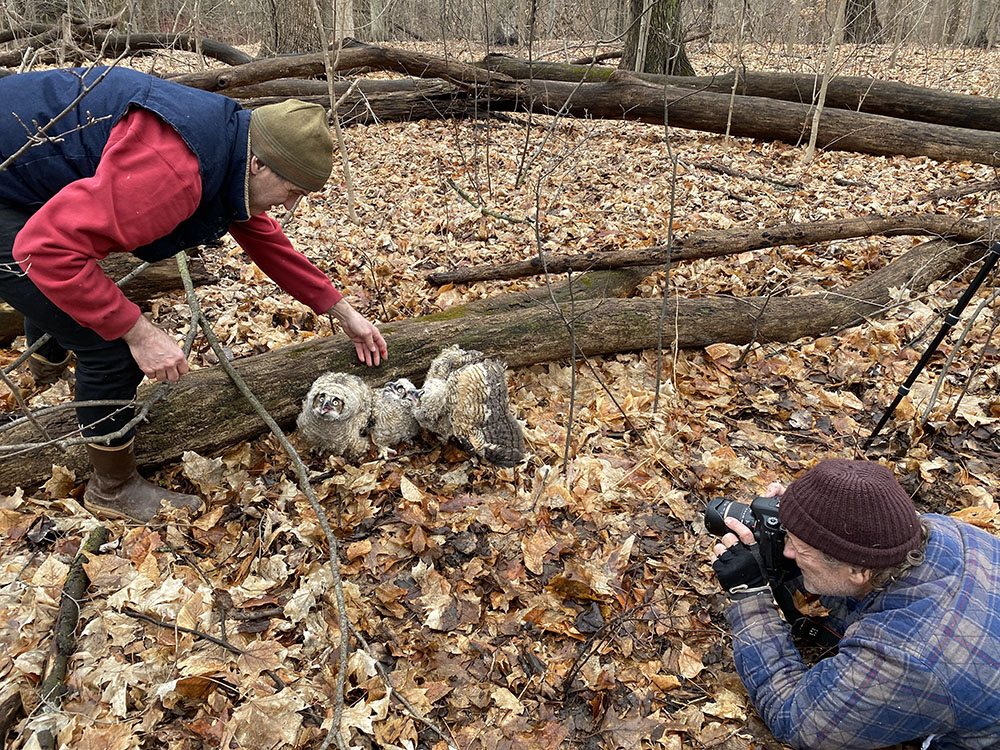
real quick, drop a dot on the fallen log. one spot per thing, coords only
(52, 33)
(625, 97)
(373, 101)
(113, 45)
(23, 31)
(430, 100)
(889, 98)
(350, 56)
(712, 244)
(157, 280)
(204, 412)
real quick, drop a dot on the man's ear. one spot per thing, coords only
(860, 576)
(256, 165)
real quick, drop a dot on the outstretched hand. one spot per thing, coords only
(368, 341)
(156, 353)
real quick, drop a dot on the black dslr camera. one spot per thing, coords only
(761, 517)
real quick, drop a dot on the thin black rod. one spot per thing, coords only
(949, 321)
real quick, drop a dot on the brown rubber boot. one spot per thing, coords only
(46, 372)
(117, 491)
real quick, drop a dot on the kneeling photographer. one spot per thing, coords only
(917, 599)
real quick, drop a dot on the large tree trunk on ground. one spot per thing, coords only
(205, 413)
(626, 97)
(113, 45)
(764, 119)
(373, 101)
(157, 280)
(351, 56)
(889, 98)
(712, 244)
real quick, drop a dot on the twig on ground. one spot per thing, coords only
(723, 169)
(221, 642)
(54, 685)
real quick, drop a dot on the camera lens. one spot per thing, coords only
(719, 508)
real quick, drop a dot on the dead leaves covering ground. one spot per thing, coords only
(533, 607)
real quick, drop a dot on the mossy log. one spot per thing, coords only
(204, 412)
(717, 243)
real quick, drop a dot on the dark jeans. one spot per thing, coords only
(105, 370)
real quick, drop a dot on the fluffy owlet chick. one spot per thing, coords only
(436, 400)
(482, 421)
(465, 396)
(335, 415)
(392, 414)
(450, 360)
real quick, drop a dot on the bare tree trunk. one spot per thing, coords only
(655, 42)
(975, 33)
(862, 25)
(953, 16)
(838, 28)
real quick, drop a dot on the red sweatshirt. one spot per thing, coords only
(146, 183)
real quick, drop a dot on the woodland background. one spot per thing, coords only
(566, 602)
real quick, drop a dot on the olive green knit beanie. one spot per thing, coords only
(293, 139)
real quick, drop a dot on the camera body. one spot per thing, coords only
(761, 517)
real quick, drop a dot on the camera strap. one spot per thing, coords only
(816, 630)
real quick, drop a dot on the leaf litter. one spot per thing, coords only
(542, 606)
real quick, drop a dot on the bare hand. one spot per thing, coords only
(774, 489)
(156, 353)
(368, 341)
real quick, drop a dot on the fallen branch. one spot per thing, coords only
(350, 56)
(712, 244)
(53, 686)
(959, 192)
(713, 166)
(112, 45)
(279, 685)
(11, 710)
(54, 683)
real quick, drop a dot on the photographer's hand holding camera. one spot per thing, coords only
(917, 598)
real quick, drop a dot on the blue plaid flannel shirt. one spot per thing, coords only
(918, 660)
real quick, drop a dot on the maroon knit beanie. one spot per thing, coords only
(854, 511)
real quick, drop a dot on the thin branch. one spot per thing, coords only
(279, 685)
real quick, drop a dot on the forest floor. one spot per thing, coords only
(567, 602)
